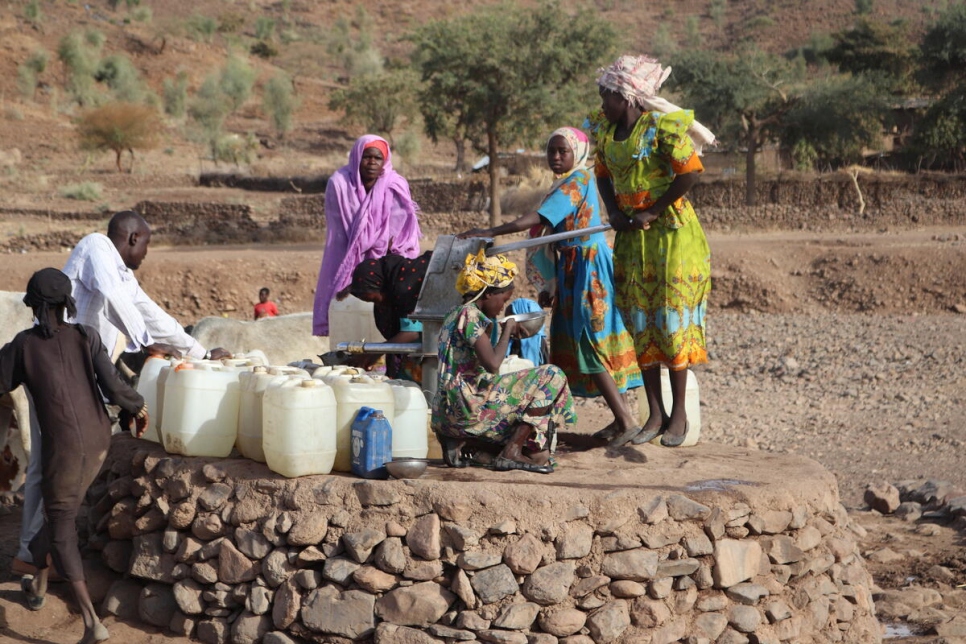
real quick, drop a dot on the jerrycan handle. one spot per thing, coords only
(365, 413)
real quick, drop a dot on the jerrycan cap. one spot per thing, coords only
(308, 383)
(184, 365)
(260, 369)
(362, 379)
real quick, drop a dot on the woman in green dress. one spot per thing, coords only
(475, 406)
(646, 162)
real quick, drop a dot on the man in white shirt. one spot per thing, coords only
(110, 300)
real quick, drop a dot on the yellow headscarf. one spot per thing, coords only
(480, 272)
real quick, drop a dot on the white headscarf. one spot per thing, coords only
(638, 78)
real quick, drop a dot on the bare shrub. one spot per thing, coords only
(119, 127)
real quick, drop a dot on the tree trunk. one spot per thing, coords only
(751, 195)
(460, 144)
(117, 159)
(492, 145)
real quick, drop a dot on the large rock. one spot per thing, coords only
(735, 561)
(348, 613)
(495, 583)
(637, 565)
(550, 584)
(423, 537)
(416, 605)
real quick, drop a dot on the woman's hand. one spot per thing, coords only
(546, 300)
(619, 222)
(509, 327)
(475, 232)
(642, 220)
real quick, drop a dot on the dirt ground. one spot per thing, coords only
(844, 348)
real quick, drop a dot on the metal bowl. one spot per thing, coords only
(406, 467)
(528, 324)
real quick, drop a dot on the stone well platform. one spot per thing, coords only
(633, 545)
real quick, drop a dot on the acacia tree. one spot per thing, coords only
(376, 102)
(504, 74)
(746, 94)
(119, 127)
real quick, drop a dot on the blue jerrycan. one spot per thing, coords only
(371, 444)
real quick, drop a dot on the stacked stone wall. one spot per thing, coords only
(225, 551)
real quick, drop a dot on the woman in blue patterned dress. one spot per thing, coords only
(588, 339)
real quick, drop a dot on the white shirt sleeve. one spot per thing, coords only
(164, 328)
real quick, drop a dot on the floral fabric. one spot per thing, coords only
(663, 274)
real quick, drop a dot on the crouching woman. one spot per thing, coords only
(517, 413)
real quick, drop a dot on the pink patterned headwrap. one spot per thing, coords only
(638, 79)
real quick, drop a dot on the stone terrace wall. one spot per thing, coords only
(225, 551)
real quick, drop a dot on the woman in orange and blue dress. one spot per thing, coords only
(588, 339)
(646, 162)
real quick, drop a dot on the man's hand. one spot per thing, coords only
(161, 349)
(219, 354)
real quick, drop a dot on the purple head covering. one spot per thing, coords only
(361, 225)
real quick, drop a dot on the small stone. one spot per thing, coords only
(681, 508)
(524, 555)
(562, 623)
(494, 583)
(654, 510)
(608, 622)
(517, 617)
(627, 589)
(882, 497)
(423, 538)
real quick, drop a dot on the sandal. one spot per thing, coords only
(452, 451)
(34, 601)
(647, 437)
(504, 464)
(676, 441)
(623, 437)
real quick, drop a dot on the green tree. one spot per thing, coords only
(943, 49)
(119, 127)
(280, 101)
(836, 120)
(122, 77)
(744, 95)
(174, 93)
(878, 50)
(235, 81)
(349, 43)
(939, 140)
(513, 73)
(29, 70)
(79, 54)
(377, 102)
(208, 110)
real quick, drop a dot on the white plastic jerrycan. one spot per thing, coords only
(148, 388)
(692, 404)
(351, 320)
(200, 410)
(252, 385)
(409, 422)
(298, 426)
(353, 392)
(513, 363)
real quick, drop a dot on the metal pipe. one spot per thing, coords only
(380, 347)
(546, 239)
